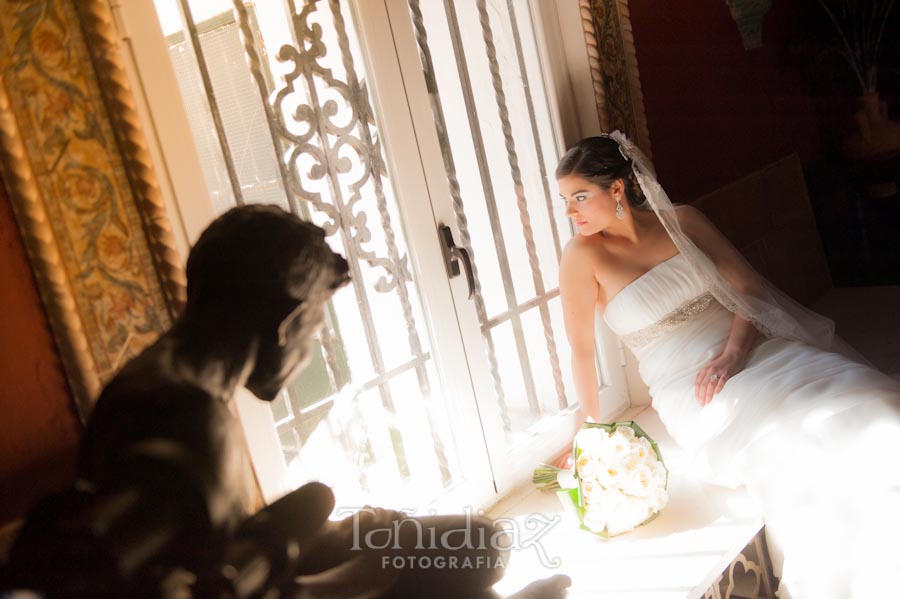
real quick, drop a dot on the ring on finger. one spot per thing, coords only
(714, 378)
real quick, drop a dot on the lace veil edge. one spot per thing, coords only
(770, 310)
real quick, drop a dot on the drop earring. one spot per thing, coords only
(620, 210)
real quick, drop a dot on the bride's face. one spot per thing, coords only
(590, 207)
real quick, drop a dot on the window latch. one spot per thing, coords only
(453, 254)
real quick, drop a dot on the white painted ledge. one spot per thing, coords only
(680, 555)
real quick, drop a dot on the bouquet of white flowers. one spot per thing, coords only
(619, 479)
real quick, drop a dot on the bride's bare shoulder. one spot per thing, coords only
(584, 251)
(583, 259)
(687, 213)
(693, 222)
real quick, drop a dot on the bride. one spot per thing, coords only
(754, 386)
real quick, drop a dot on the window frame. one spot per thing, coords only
(568, 88)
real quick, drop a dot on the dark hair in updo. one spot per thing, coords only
(599, 160)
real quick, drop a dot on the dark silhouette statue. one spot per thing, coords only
(161, 506)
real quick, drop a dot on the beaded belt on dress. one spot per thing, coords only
(671, 321)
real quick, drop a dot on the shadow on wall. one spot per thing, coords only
(717, 112)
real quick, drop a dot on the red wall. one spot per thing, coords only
(716, 111)
(39, 428)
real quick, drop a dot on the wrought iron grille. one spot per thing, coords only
(472, 53)
(362, 416)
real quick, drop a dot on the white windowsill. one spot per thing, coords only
(677, 556)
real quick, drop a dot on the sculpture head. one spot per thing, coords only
(272, 274)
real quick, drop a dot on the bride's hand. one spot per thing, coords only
(716, 373)
(564, 461)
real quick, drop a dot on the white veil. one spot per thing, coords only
(770, 310)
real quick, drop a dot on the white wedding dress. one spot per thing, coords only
(814, 436)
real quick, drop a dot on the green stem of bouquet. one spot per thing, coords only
(544, 477)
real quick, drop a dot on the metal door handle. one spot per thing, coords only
(453, 254)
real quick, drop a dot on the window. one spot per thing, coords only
(381, 122)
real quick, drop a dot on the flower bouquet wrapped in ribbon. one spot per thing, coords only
(619, 479)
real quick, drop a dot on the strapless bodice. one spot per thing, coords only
(796, 425)
(653, 296)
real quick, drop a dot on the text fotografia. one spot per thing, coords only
(441, 562)
(454, 547)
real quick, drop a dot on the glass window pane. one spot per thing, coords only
(495, 121)
(368, 414)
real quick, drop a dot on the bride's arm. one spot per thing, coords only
(728, 260)
(578, 291)
(732, 265)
